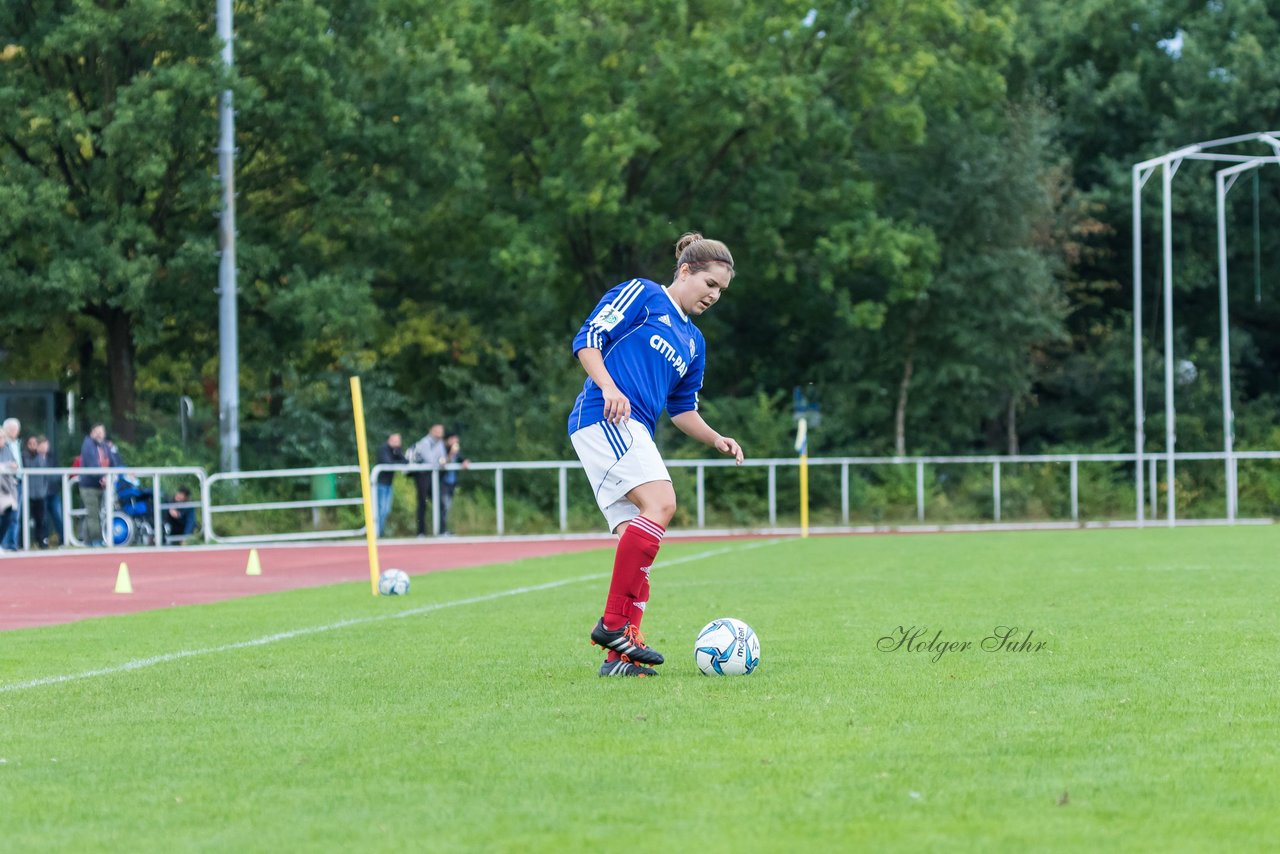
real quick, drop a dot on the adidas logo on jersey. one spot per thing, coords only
(665, 318)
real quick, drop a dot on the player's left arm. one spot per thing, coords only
(682, 405)
(691, 423)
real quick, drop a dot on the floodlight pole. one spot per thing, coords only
(228, 337)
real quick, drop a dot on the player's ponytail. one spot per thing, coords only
(698, 252)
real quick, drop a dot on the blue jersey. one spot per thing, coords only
(651, 349)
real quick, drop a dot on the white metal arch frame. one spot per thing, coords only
(1226, 177)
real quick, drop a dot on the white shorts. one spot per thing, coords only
(617, 458)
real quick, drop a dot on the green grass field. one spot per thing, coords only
(1147, 721)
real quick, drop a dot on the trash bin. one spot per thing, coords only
(324, 487)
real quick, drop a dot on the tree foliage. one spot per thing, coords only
(927, 202)
(104, 118)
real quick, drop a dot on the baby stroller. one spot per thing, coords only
(133, 522)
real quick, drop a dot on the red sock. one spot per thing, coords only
(637, 548)
(641, 600)
(637, 610)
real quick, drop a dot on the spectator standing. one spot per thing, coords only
(11, 467)
(93, 454)
(38, 486)
(449, 478)
(427, 451)
(389, 454)
(53, 491)
(8, 501)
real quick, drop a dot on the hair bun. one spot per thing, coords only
(684, 242)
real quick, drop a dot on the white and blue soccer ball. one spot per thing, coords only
(393, 582)
(727, 647)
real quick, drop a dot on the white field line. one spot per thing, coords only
(139, 663)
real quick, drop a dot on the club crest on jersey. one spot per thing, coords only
(693, 349)
(608, 318)
(665, 318)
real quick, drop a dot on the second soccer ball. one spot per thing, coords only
(393, 582)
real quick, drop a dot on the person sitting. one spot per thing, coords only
(179, 522)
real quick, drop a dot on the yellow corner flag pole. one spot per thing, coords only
(370, 528)
(802, 448)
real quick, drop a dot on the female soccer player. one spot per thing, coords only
(642, 354)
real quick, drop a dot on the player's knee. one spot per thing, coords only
(661, 510)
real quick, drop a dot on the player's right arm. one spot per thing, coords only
(617, 312)
(617, 408)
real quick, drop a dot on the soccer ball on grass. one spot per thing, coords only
(393, 582)
(727, 647)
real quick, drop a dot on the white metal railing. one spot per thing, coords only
(315, 504)
(699, 467)
(69, 512)
(211, 509)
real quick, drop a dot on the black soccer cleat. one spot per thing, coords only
(622, 667)
(627, 642)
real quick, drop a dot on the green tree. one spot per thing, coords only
(105, 122)
(433, 193)
(1133, 80)
(970, 347)
(760, 123)
(356, 135)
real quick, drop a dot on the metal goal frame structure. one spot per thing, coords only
(1225, 179)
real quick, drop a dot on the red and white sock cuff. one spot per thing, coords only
(649, 528)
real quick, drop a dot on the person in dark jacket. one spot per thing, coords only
(449, 478)
(389, 454)
(39, 488)
(179, 523)
(53, 494)
(94, 453)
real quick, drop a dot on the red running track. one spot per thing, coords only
(62, 587)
